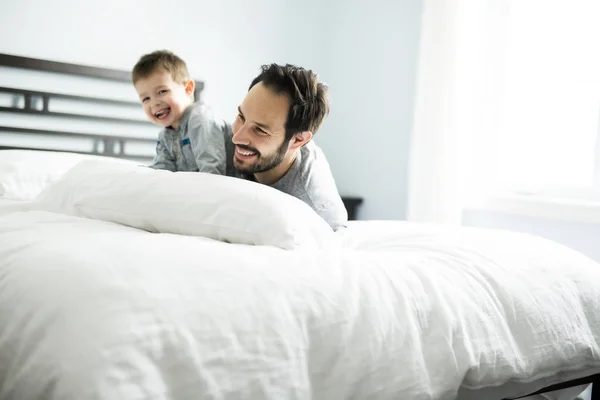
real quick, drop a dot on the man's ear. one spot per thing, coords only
(189, 87)
(300, 139)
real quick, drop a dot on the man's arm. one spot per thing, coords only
(207, 138)
(163, 158)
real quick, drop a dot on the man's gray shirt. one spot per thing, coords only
(308, 179)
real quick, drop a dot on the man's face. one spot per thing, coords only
(259, 130)
(163, 99)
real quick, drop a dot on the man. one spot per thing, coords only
(271, 139)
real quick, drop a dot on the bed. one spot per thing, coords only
(107, 291)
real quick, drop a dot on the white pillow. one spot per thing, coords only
(188, 203)
(24, 173)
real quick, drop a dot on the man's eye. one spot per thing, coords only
(260, 131)
(240, 116)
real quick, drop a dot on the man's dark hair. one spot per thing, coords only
(309, 104)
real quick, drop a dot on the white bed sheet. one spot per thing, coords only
(91, 310)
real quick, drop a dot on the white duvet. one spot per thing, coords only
(96, 310)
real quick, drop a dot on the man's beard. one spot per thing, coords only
(263, 163)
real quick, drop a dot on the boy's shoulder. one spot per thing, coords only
(200, 114)
(199, 109)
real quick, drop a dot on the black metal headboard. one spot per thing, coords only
(34, 103)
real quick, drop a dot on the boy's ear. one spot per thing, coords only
(189, 87)
(300, 139)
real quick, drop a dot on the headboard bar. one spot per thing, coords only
(33, 131)
(64, 68)
(32, 111)
(47, 95)
(106, 153)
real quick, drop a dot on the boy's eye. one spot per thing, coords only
(163, 91)
(145, 99)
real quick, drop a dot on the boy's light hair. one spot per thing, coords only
(161, 60)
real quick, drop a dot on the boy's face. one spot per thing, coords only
(163, 99)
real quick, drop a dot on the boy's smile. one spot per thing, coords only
(162, 114)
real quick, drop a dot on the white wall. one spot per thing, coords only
(369, 59)
(366, 52)
(224, 42)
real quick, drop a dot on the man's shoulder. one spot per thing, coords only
(310, 173)
(312, 181)
(313, 163)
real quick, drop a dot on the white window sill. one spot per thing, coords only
(537, 206)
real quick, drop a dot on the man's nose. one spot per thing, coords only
(240, 136)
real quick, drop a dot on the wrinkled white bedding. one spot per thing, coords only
(95, 310)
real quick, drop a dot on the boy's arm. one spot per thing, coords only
(207, 138)
(163, 159)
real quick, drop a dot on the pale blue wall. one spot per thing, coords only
(370, 61)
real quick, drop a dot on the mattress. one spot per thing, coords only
(513, 390)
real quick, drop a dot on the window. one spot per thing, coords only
(551, 101)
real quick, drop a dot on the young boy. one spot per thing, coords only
(191, 139)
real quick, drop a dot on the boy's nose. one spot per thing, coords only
(155, 103)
